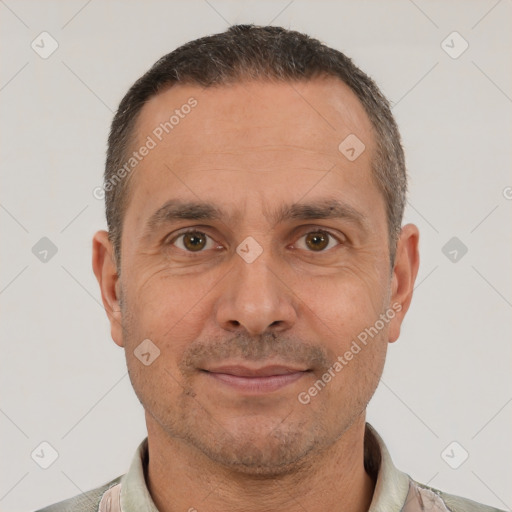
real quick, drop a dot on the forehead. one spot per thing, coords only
(259, 139)
(238, 115)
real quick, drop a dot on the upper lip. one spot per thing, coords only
(265, 371)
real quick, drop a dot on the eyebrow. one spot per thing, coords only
(321, 209)
(177, 209)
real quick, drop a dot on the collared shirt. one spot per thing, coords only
(395, 491)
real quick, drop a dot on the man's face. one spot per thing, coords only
(289, 301)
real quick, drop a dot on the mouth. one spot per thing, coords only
(255, 380)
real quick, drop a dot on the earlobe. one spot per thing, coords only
(105, 270)
(405, 270)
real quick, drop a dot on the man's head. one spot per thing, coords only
(255, 238)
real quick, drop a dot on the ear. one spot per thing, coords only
(104, 267)
(407, 261)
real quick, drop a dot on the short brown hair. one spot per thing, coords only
(249, 52)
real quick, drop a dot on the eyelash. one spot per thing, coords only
(194, 230)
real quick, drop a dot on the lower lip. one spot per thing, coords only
(257, 384)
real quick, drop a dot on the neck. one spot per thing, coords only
(180, 477)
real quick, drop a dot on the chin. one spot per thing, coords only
(266, 450)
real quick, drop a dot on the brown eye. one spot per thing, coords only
(318, 241)
(192, 241)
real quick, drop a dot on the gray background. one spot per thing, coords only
(63, 379)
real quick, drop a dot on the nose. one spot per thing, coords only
(256, 297)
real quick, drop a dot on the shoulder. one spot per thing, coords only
(429, 498)
(85, 502)
(397, 491)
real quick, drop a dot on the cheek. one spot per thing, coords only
(344, 390)
(342, 305)
(163, 300)
(174, 309)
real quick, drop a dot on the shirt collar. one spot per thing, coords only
(392, 485)
(135, 495)
(390, 492)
